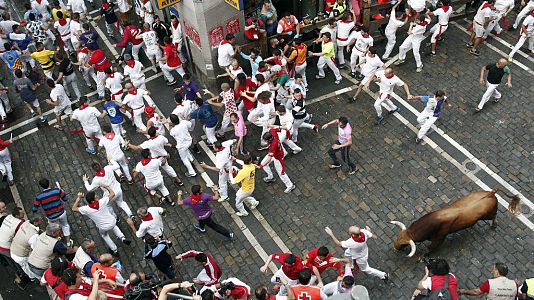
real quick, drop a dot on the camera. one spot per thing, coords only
(141, 290)
(429, 262)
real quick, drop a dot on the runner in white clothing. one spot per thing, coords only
(153, 51)
(395, 22)
(75, 31)
(97, 210)
(149, 167)
(431, 113)
(87, 72)
(105, 176)
(286, 128)
(362, 40)
(527, 33)
(88, 118)
(502, 9)
(153, 119)
(413, 40)
(60, 101)
(223, 165)
(368, 67)
(113, 143)
(264, 114)
(443, 13)
(344, 27)
(343, 285)
(180, 133)
(147, 12)
(529, 8)
(135, 99)
(356, 248)
(480, 23)
(77, 6)
(62, 25)
(387, 80)
(156, 144)
(134, 69)
(114, 84)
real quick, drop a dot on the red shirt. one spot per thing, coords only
(4, 144)
(321, 265)
(171, 51)
(253, 34)
(327, 8)
(60, 288)
(292, 272)
(239, 293)
(130, 32)
(438, 281)
(275, 147)
(99, 60)
(251, 86)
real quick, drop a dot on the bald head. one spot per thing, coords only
(354, 230)
(106, 259)
(388, 71)
(2, 208)
(502, 62)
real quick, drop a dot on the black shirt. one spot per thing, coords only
(495, 73)
(109, 13)
(161, 30)
(66, 67)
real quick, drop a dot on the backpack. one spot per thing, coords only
(442, 293)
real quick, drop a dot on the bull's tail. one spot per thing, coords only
(513, 206)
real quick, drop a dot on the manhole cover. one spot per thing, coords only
(471, 166)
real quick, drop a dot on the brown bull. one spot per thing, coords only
(461, 214)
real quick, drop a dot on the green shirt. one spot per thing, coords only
(327, 49)
(283, 79)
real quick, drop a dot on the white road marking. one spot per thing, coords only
(505, 55)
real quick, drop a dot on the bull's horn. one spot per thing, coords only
(412, 245)
(402, 226)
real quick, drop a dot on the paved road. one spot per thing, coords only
(397, 180)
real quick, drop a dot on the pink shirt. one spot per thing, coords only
(240, 130)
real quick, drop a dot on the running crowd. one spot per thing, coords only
(58, 40)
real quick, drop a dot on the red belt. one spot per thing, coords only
(342, 39)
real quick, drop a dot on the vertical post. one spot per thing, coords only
(366, 13)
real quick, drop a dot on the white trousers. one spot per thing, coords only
(323, 61)
(415, 43)
(382, 97)
(491, 91)
(123, 164)
(139, 82)
(63, 222)
(154, 187)
(341, 55)
(289, 142)
(167, 71)
(88, 73)
(135, 50)
(425, 120)
(5, 160)
(301, 69)
(363, 265)
(224, 124)
(522, 39)
(104, 233)
(523, 13)
(392, 39)
(210, 134)
(119, 200)
(118, 129)
(245, 197)
(169, 170)
(437, 30)
(299, 123)
(355, 57)
(100, 83)
(23, 263)
(138, 118)
(187, 158)
(71, 80)
(223, 183)
(280, 274)
(278, 166)
(88, 138)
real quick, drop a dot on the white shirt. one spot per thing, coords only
(355, 249)
(362, 43)
(156, 122)
(136, 72)
(183, 112)
(503, 5)
(153, 227)
(176, 33)
(83, 57)
(75, 30)
(88, 118)
(150, 171)
(443, 16)
(223, 158)
(114, 84)
(151, 41)
(148, 12)
(123, 6)
(266, 110)
(77, 6)
(181, 134)
(107, 177)
(64, 30)
(393, 24)
(388, 84)
(343, 32)
(417, 5)
(482, 14)
(58, 94)
(529, 23)
(371, 65)
(332, 31)
(101, 216)
(156, 146)
(113, 146)
(137, 101)
(224, 54)
(418, 30)
(286, 121)
(262, 88)
(40, 7)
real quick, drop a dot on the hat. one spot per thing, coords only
(127, 56)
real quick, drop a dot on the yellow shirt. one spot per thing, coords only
(327, 49)
(62, 10)
(246, 177)
(43, 57)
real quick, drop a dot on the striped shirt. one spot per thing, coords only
(50, 200)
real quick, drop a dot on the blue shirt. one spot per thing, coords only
(114, 113)
(22, 39)
(206, 115)
(11, 57)
(190, 90)
(254, 64)
(89, 38)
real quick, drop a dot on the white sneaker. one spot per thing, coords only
(223, 199)
(290, 189)
(241, 214)
(297, 151)
(418, 70)
(255, 204)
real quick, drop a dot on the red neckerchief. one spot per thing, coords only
(366, 35)
(101, 173)
(262, 69)
(424, 23)
(132, 91)
(130, 63)
(84, 50)
(282, 72)
(346, 22)
(328, 41)
(224, 42)
(145, 161)
(532, 13)
(177, 23)
(360, 238)
(486, 5)
(148, 218)
(300, 47)
(390, 75)
(195, 198)
(445, 8)
(220, 149)
(150, 115)
(179, 104)
(84, 106)
(94, 205)
(62, 22)
(105, 5)
(154, 137)
(111, 75)
(236, 68)
(39, 1)
(109, 135)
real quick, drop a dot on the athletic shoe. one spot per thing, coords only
(360, 77)
(316, 128)
(319, 77)
(342, 66)
(418, 140)
(179, 183)
(263, 147)
(353, 170)
(379, 120)
(290, 189)
(297, 151)
(34, 114)
(394, 111)
(510, 59)
(126, 242)
(496, 100)
(134, 218)
(70, 243)
(477, 110)
(474, 52)
(122, 178)
(419, 70)
(337, 81)
(269, 180)
(469, 45)
(220, 136)
(385, 58)
(171, 83)
(223, 199)
(190, 175)
(386, 278)
(352, 74)
(199, 228)
(333, 166)
(241, 214)
(399, 62)
(90, 151)
(255, 204)
(58, 127)
(43, 119)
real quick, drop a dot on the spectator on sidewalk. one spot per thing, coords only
(269, 16)
(85, 256)
(437, 276)
(499, 287)
(20, 246)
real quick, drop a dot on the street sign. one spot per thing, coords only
(161, 4)
(237, 4)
